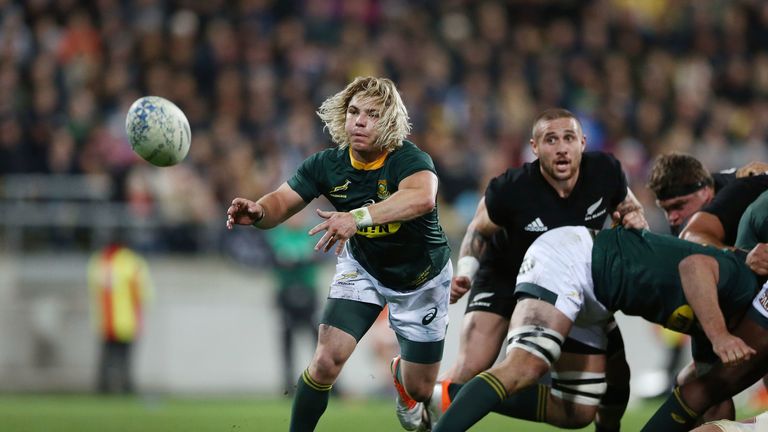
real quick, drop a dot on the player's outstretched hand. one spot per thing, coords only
(732, 350)
(338, 226)
(459, 286)
(757, 259)
(243, 212)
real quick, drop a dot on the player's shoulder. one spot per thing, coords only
(514, 183)
(410, 158)
(322, 158)
(408, 149)
(523, 173)
(759, 181)
(600, 159)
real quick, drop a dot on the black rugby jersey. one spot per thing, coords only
(731, 199)
(522, 202)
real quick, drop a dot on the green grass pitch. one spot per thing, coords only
(67, 413)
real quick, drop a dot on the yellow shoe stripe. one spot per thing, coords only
(314, 384)
(495, 384)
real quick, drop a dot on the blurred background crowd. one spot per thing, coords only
(644, 77)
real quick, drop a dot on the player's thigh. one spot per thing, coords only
(486, 321)
(334, 347)
(419, 318)
(535, 340)
(579, 377)
(577, 386)
(343, 324)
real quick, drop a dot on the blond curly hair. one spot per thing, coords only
(393, 125)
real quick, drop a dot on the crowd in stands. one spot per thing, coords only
(644, 77)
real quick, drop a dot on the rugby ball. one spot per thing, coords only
(158, 131)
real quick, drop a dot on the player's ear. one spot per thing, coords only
(583, 142)
(534, 147)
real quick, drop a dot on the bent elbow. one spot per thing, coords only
(426, 205)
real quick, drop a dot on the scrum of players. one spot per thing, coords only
(707, 283)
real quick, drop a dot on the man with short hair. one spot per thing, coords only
(700, 206)
(706, 209)
(564, 186)
(390, 246)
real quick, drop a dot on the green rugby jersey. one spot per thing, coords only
(636, 272)
(753, 226)
(401, 255)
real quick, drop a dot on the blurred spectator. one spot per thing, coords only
(662, 75)
(120, 286)
(296, 269)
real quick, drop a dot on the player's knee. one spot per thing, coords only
(528, 369)
(327, 366)
(576, 416)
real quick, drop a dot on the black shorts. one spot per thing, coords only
(492, 291)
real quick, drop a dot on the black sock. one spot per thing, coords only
(672, 416)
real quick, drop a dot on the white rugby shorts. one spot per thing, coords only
(420, 315)
(760, 303)
(560, 261)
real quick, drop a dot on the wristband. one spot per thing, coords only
(467, 266)
(257, 220)
(362, 217)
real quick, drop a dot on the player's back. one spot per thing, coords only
(637, 272)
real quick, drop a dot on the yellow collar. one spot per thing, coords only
(367, 166)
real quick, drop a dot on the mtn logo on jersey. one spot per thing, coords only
(379, 230)
(592, 209)
(536, 226)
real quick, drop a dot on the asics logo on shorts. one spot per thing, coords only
(536, 226)
(431, 314)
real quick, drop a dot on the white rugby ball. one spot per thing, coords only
(158, 131)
